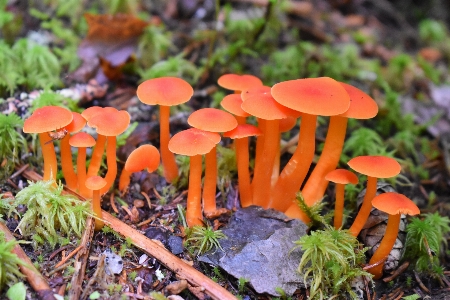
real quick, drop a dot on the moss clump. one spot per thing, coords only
(9, 262)
(11, 143)
(50, 217)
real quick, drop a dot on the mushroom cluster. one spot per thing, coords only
(252, 110)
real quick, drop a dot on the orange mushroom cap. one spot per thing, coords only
(238, 82)
(47, 118)
(362, 106)
(244, 130)
(212, 119)
(81, 139)
(143, 157)
(316, 96)
(375, 166)
(287, 124)
(394, 203)
(342, 176)
(91, 111)
(110, 123)
(78, 122)
(193, 141)
(260, 103)
(232, 103)
(166, 91)
(95, 183)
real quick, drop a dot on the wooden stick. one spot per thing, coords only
(168, 259)
(34, 277)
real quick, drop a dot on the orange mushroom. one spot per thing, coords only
(260, 103)
(144, 157)
(110, 123)
(165, 91)
(285, 126)
(238, 83)
(82, 140)
(341, 177)
(43, 121)
(194, 142)
(211, 120)
(241, 134)
(394, 205)
(95, 183)
(232, 103)
(374, 167)
(362, 106)
(311, 96)
(70, 176)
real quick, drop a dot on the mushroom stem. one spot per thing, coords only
(81, 170)
(193, 207)
(167, 157)
(366, 206)
(66, 163)
(124, 180)
(293, 174)
(263, 168)
(316, 184)
(386, 245)
(245, 190)
(259, 144)
(49, 156)
(276, 164)
(210, 181)
(97, 154)
(97, 209)
(339, 205)
(111, 162)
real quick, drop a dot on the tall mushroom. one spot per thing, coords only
(374, 167)
(145, 157)
(240, 134)
(341, 177)
(82, 140)
(362, 106)
(110, 124)
(165, 91)
(70, 176)
(394, 205)
(312, 96)
(194, 142)
(43, 121)
(211, 120)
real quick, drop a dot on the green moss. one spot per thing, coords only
(203, 239)
(9, 262)
(12, 143)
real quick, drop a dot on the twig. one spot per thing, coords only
(19, 171)
(69, 256)
(34, 277)
(113, 204)
(397, 272)
(422, 286)
(168, 259)
(148, 199)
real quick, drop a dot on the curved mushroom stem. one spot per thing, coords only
(193, 208)
(66, 163)
(263, 168)
(167, 157)
(49, 156)
(97, 209)
(316, 184)
(81, 170)
(276, 164)
(111, 162)
(339, 205)
(366, 207)
(293, 174)
(210, 181)
(386, 245)
(245, 190)
(124, 180)
(259, 145)
(97, 154)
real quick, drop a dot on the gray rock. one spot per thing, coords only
(259, 248)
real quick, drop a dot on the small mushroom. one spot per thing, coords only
(96, 183)
(82, 140)
(394, 205)
(341, 177)
(238, 83)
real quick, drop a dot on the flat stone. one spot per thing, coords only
(259, 248)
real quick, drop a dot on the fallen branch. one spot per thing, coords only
(34, 277)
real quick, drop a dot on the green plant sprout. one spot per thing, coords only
(203, 239)
(9, 262)
(50, 217)
(331, 261)
(11, 143)
(313, 212)
(425, 241)
(17, 291)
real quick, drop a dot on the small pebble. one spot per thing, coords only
(139, 203)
